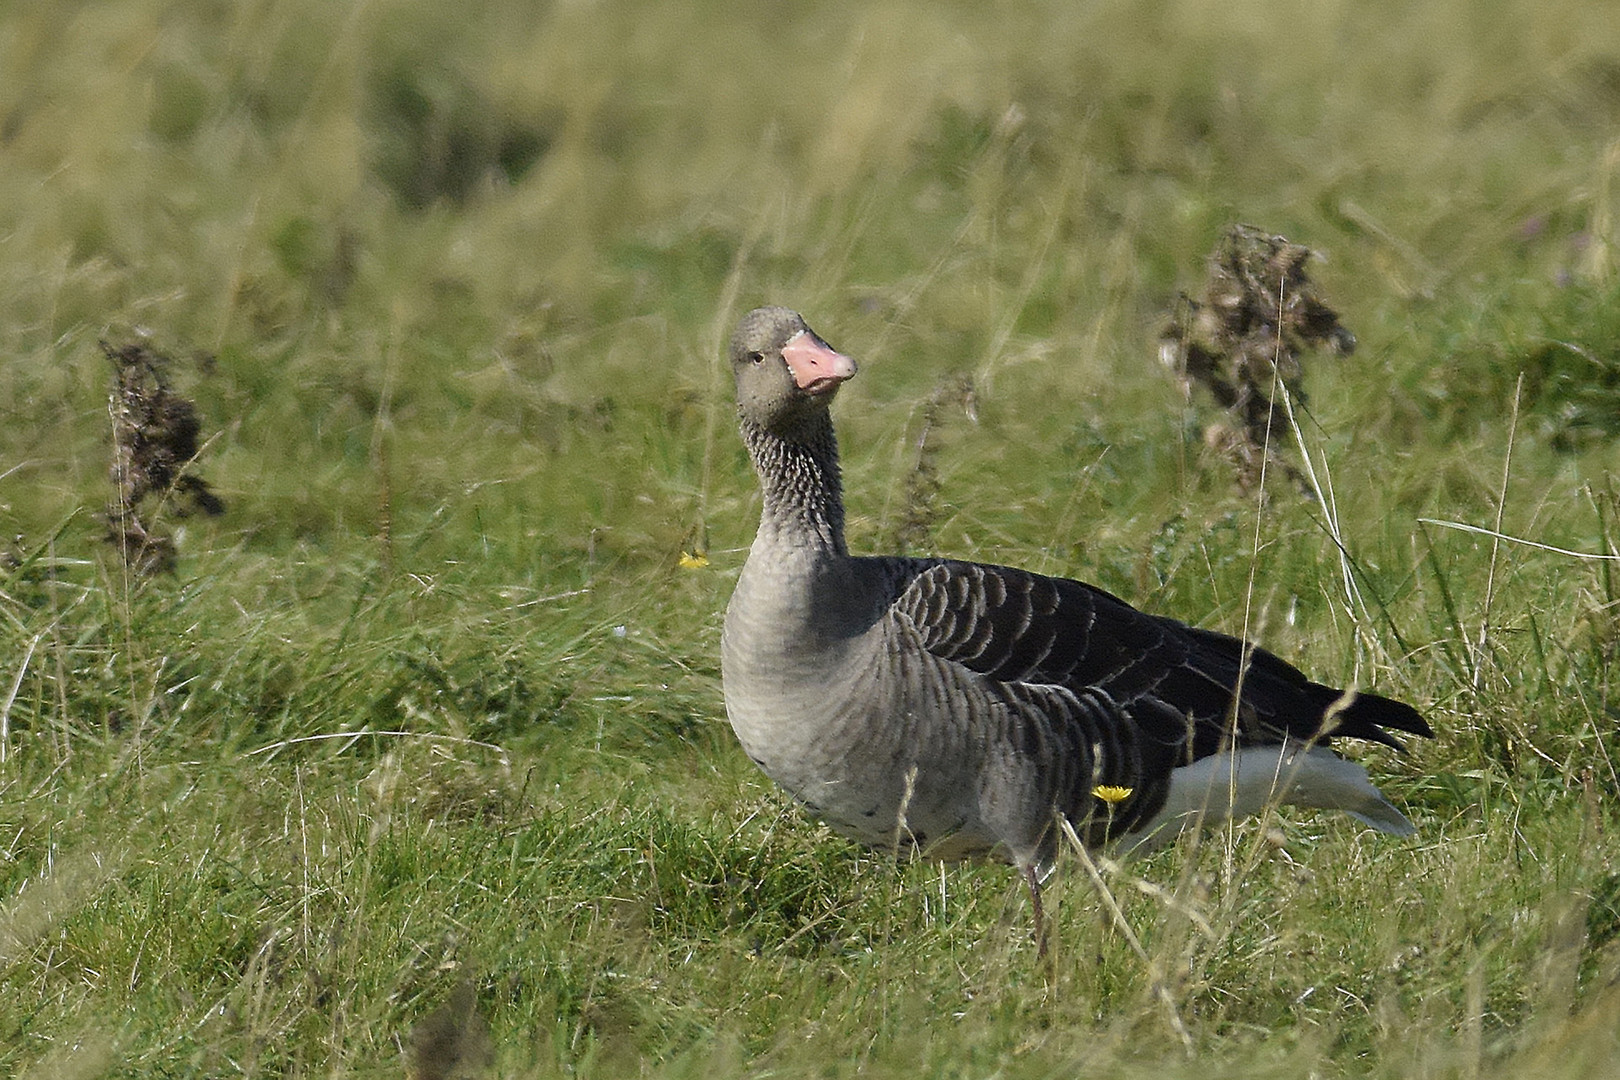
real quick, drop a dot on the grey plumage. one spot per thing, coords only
(957, 707)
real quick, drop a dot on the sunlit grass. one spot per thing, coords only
(435, 703)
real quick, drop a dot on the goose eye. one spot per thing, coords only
(757, 357)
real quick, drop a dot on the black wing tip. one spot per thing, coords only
(1373, 717)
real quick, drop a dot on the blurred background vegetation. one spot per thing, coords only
(448, 285)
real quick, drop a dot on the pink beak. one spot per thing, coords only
(815, 366)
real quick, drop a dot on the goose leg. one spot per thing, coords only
(1034, 882)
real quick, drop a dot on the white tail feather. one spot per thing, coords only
(1244, 781)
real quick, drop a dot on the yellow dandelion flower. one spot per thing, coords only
(693, 560)
(1112, 793)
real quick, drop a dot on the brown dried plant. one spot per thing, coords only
(921, 495)
(154, 441)
(1244, 339)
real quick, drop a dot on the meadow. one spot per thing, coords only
(417, 762)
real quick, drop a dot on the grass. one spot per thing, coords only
(431, 716)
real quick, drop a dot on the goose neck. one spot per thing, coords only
(803, 492)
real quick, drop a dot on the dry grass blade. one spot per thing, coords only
(11, 695)
(354, 736)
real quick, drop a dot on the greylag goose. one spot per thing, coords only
(957, 708)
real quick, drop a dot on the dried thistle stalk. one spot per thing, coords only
(154, 440)
(921, 494)
(1245, 337)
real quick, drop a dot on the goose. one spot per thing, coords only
(961, 710)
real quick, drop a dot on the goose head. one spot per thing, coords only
(786, 374)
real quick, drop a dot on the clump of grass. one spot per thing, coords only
(1244, 340)
(154, 443)
(1557, 345)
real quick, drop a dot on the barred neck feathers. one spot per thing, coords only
(798, 473)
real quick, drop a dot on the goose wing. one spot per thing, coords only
(1175, 682)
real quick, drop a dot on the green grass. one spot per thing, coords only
(434, 706)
